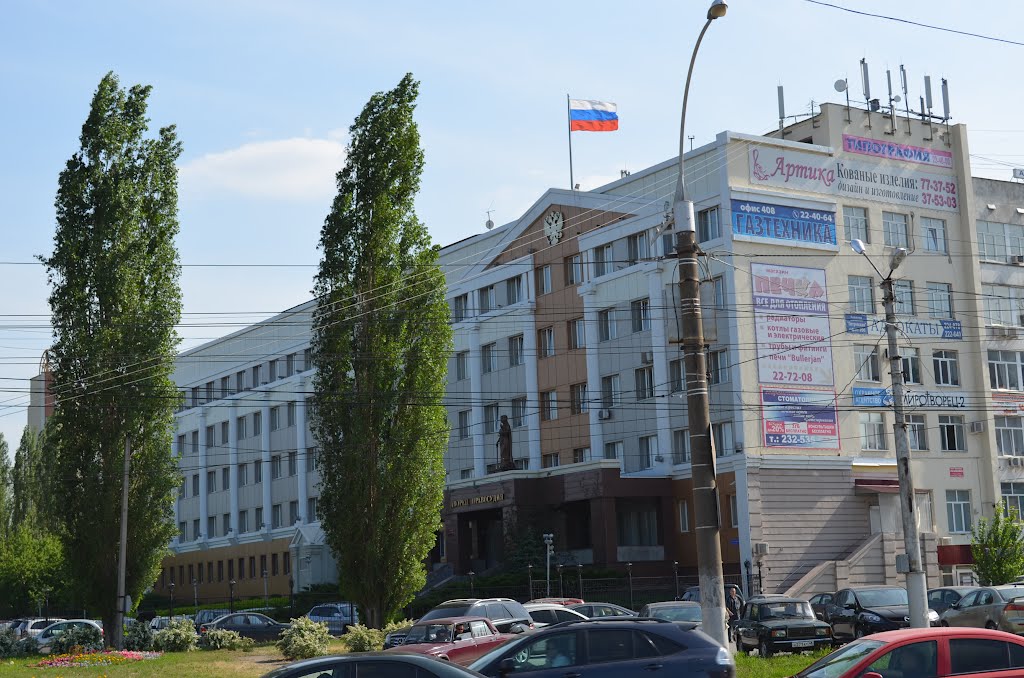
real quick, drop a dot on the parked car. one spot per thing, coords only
(623, 648)
(966, 653)
(457, 639)
(337, 616)
(259, 627)
(556, 601)
(33, 626)
(679, 611)
(593, 610)
(819, 602)
(545, 614)
(942, 599)
(508, 616)
(207, 616)
(780, 624)
(991, 607)
(860, 611)
(158, 623)
(693, 593)
(53, 631)
(373, 665)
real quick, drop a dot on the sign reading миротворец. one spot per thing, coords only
(784, 225)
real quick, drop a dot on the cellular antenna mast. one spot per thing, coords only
(782, 109)
(865, 83)
(892, 100)
(906, 98)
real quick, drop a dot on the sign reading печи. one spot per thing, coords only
(891, 150)
(784, 225)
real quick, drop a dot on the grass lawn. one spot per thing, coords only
(779, 666)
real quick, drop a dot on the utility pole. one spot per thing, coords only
(122, 556)
(549, 548)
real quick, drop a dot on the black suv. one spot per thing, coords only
(780, 624)
(507, 615)
(624, 648)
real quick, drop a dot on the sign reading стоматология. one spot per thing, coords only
(799, 418)
(784, 225)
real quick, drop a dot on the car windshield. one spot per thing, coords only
(429, 633)
(1010, 594)
(882, 597)
(789, 609)
(442, 612)
(677, 613)
(835, 664)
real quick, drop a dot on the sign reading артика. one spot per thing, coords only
(891, 150)
(902, 183)
(784, 225)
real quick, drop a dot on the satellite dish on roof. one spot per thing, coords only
(840, 85)
(490, 222)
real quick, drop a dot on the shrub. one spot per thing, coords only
(363, 639)
(306, 638)
(26, 646)
(138, 637)
(8, 642)
(223, 639)
(179, 636)
(87, 637)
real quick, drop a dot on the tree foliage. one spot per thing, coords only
(32, 570)
(115, 301)
(6, 490)
(27, 489)
(997, 547)
(381, 338)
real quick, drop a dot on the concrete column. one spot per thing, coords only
(233, 465)
(302, 453)
(662, 388)
(265, 457)
(532, 388)
(203, 490)
(743, 508)
(592, 339)
(476, 378)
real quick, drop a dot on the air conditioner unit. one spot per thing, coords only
(1015, 461)
(977, 426)
(604, 414)
(945, 541)
(761, 548)
(1017, 259)
(647, 357)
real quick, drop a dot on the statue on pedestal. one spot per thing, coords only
(505, 462)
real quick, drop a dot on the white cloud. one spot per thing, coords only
(285, 169)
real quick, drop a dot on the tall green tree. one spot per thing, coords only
(115, 301)
(997, 546)
(6, 491)
(381, 338)
(26, 479)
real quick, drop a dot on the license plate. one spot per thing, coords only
(803, 643)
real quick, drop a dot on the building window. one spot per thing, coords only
(311, 464)
(681, 446)
(224, 433)
(721, 434)
(257, 471)
(613, 450)
(718, 366)
(514, 290)
(257, 423)
(708, 227)
(465, 474)
(491, 418)
(286, 558)
(549, 405)
(258, 512)
(638, 247)
(460, 307)
(275, 467)
(293, 463)
(1013, 497)
(211, 439)
(289, 409)
(1010, 436)
(273, 564)
(934, 231)
(240, 428)
(958, 510)
(196, 535)
(577, 338)
(464, 419)
(610, 390)
(311, 506)
(485, 296)
(518, 411)
(1004, 370)
(1002, 305)
(640, 311)
(276, 517)
(951, 433)
(462, 365)
(894, 228)
(903, 296)
(684, 516)
(733, 511)
(225, 521)
(638, 525)
(515, 350)
(546, 342)
(543, 280)
(209, 392)
(489, 357)
(946, 368)
(602, 260)
(644, 382)
(578, 403)
(257, 379)
(225, 478)
(293, 512)
(865, 360)
(211, 527)
(862, 294)
(243, 522)
(911, 365)
(991, 241)
(549, 460)
(195, 484)
(211, 482)
(580, 454)
(275, 418)
(917, 431)
(239, 381)
(855, 219)
(648, 451)
(676, 376)
(272, 368)
(574, 270)
(872, 431)
(289, 365)
(606, 324)
(181, 489)
(940, 300)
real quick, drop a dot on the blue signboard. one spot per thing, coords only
(860, 323)
(872, 397)
(799, 418)
(783, 225)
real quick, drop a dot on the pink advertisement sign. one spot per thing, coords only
(891, 150)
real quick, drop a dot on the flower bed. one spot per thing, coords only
(95, 659)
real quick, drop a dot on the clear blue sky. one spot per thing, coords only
(263, 93)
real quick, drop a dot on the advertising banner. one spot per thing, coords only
(784, 225)
(791, 325)
(891, 150)
(912, 399)
(924, 328)
(1008, 404)
(802, 419)
(902, 184)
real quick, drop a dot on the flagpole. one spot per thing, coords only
(568, 117)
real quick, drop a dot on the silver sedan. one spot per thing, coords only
(990, 607)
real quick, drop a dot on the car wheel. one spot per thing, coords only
(764, 650)
(944, 623)
(859, 633)
(990, 625)
(522, 657)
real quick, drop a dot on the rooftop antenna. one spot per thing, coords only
(843, 86)
(906, 97)
(945, 107)
(892, 100)
(928, 103)
(490, 222)
(782, 111)
(866, 86)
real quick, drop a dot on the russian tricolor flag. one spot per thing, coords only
(592, 116)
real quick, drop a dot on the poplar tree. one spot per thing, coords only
(381, 339)
(6, 491)
(115, 301)
(26, 491)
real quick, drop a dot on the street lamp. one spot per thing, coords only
(472, 586)
(195, 594)
(917, 585)
(561, 592)
(675, 574)
(579, 571)
(266, 590)
(629, 573)
(549, 548)
(705, 493)
(529, 574)
(172, 599)
(231, 595)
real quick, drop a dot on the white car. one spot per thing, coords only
(31, 628)
(544, 614)
(53, 631)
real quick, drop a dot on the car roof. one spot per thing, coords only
(674, 603)
(418, 659)
(880, 587)
(473, 601)
(936, 631)
(452, 620)
(776, 599)
(958, 589)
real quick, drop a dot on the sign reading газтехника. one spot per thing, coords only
(784, 225)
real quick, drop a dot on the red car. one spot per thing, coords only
(960, 652)
(457, 639)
